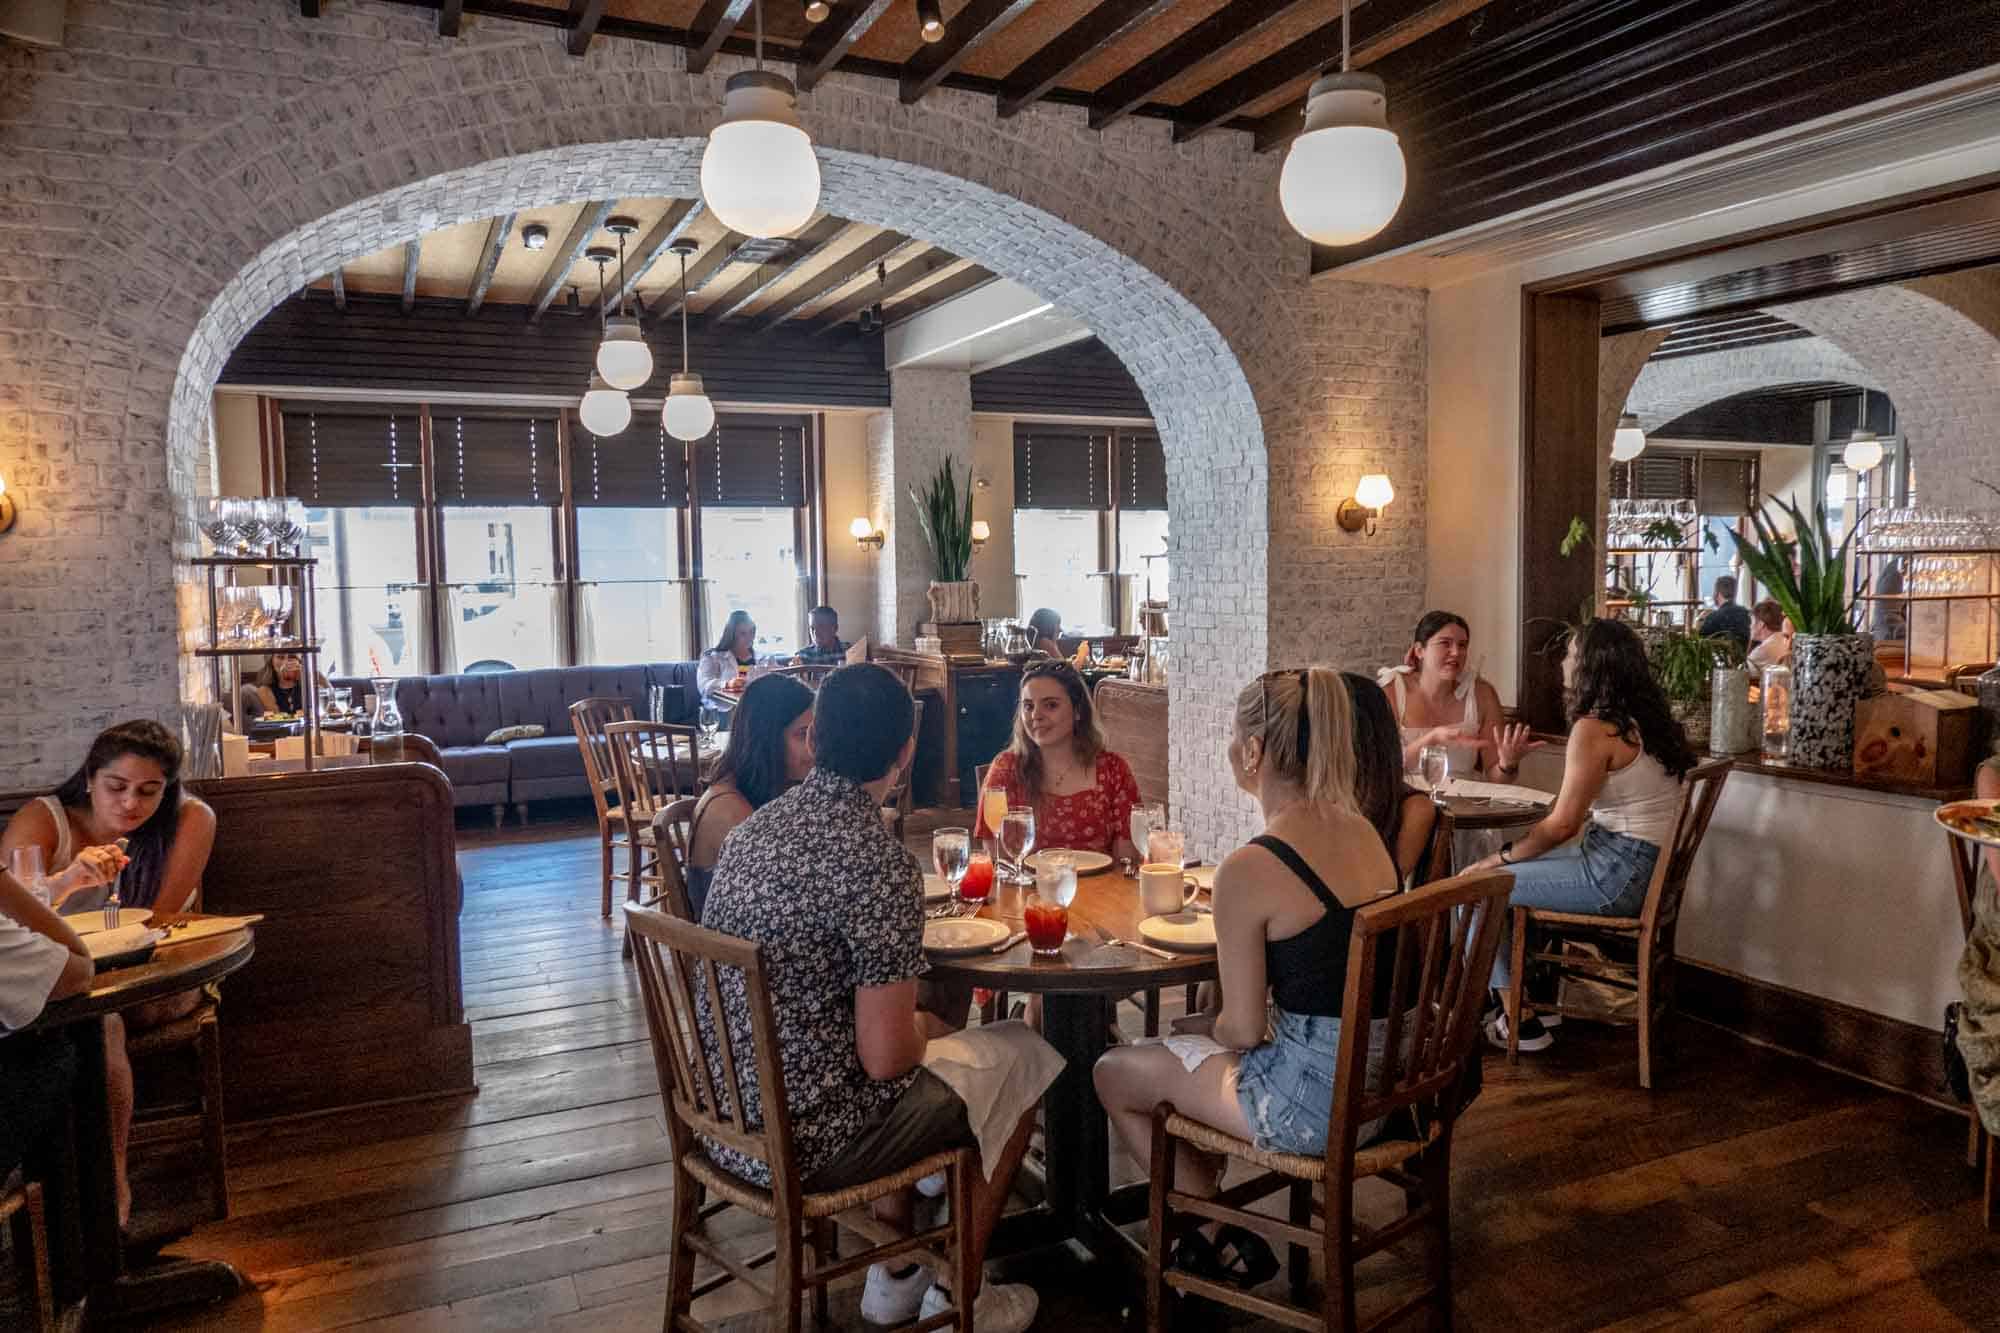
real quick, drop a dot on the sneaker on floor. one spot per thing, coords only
(1534, 1037)
(887, 1299)
(1001, 1307)
(932, 1185)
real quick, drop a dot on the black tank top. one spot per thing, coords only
(1308, 971)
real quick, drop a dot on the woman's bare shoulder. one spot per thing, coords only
(31, 823)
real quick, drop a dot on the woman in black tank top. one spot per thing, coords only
(1261, 1067)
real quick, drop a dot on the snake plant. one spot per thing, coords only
(1804, 571)
(946, 519)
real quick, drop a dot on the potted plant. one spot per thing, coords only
(1805, 572)
(1684, 663)
(945, 514)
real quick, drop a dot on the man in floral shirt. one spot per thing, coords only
(837, 905)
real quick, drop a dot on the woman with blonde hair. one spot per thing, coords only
(1262, 1065)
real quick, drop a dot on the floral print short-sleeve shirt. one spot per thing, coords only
(1089, 821)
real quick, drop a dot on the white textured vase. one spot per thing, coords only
(1735, 724)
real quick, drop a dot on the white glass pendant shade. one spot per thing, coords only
(688, 415)
(1374, 492)
(1344, 177)
(623, 358)
(1861, 455)
(1628, 441)
(758, 173)
(604, 410)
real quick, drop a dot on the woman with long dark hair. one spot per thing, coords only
(770, 748)
(1621, 789)
(727, 669)
(1403, 817)
(1081, 792)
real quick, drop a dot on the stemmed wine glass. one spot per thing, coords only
(711, 725)
(1436, 768)
(951, 853)
(1017, 839)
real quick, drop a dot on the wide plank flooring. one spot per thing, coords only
(1750, 1190)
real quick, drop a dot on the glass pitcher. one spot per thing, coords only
(385, 725)
(1018, 639)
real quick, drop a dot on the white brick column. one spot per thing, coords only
(929, 420)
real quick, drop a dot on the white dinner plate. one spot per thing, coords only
(90, 923)
(935, 889)
(1183, 932)
(1985, 807)
(1087, 863)
(961, 935)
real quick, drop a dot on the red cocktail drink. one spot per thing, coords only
(1047, 923)
(977, 885)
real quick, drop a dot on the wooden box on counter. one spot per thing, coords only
(1921, 736)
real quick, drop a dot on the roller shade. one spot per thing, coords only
(1142, 470)
(1654, 475)
(1728, 487)
(628, 471)
(342, 455)
(752, 462)
(488, 458)
(1060, 467)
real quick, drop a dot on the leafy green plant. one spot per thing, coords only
(1804, 571)
(1683, 659)
(946, 519)
(1577, 536)
(1662, 532)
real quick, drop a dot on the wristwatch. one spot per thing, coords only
(1505, 848)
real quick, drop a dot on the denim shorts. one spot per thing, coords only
(1285, 1086)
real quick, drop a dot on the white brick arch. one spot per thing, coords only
(1664, 390)
(365, 130)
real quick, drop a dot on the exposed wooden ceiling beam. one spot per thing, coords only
(861, 260)
(810, 242)
(565, 256)
(584, 16)
(926, 265)
(339, 290)
(832, 39)
(971, 25)
(497, 232)
(713, 260)
(1380, 27)
(958, 284)
(639, 262)
(1101, 26)
(711, 28)
(451, 13)
(309, 9)
(413, 252)
(1211, 39)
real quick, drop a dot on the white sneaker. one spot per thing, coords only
(1002, 1307)
(887, 1299)
(932, 1185)
(1534, 1037)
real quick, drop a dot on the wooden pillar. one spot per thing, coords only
(1559, 443)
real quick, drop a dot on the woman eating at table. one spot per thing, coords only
(1621, 790)
(1439, 700)
(726, 670)
(770, 749)
(278, 688)
(1403, 817)
(1082, 793)
(1262, 1065)
(129, 787)
(1979, 977)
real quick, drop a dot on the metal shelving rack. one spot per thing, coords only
(1942, 631)
(295, 572)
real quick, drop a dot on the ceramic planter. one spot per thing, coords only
(954, 603)
(1735, 724)
(1829, 676)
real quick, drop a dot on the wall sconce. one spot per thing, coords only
(6, 507)
(982, 533)
(866, 534)
(1371, 497)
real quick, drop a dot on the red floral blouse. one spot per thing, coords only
(1089, 821)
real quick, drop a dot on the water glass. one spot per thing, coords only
(1165, 846)
(26, 867)
(951, 854)
(1055, 879)
(1146, 818)
(1436, 768)
(1017, 839)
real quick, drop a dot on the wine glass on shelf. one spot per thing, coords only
(1017, 839)
(1436, 768)
(951, 853)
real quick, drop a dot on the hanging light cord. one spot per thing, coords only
(623, 290)
(684, 314)
(1344, 19)
(759, 6)
(602, 327)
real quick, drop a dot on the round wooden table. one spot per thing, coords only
(1079, 987)
(113, 1289)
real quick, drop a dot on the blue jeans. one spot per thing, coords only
(1602, 874)
(1285, 1085)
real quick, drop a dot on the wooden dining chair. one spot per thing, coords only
(588, 718)
(1438, 854)
(649, 774)
(21, 1203)
(1651, 974)
(673, 836)
(1979, 1147)
(810, 673)
(197, 1036)
(1445, 936)
(898, 797)
(704, 1104)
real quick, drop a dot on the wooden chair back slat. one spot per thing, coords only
(646, 764)
(810, 674)
(1700, 790)
(1964, 877)
(588, 718)
(1438, 856)
(673, 830)
(1422, 919)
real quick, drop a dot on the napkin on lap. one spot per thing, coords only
(999, 1070)
(125, 939)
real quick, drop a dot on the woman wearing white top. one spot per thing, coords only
(1621, 790)
(1770, 635)
(726, 669)
(1440, 700)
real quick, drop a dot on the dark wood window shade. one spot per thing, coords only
(1061, 467)
(1654, 475)
(752, 461)
(495, 458)
(634, 470)
(1142, 470)
(342, 455)
(1728, 487)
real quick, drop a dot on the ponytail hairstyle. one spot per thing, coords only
(1428, 629)
(148, 845)
(1306, 721)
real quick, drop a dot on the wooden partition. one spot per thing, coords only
(354, 994)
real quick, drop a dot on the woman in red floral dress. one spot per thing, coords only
(1082, 793)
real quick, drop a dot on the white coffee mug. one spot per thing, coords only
(1163, 889)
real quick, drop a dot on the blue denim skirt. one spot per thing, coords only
(1285, 1086)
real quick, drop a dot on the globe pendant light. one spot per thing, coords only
(605, 409)
(1343, 177)
(623, 358)
(1864, 451)
(1628, 441)
(758, 173)
(687, 415)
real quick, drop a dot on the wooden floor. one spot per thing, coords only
(1750, 1190)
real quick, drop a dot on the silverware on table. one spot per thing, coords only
(1004, 945)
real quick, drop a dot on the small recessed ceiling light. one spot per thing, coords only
(930, 20)
(534, 236)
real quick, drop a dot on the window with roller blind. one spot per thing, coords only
(631, 496)
(749, 483)
(1090, 523)
(498, 487)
